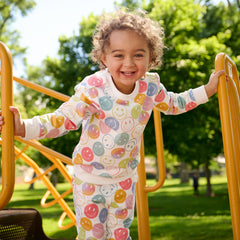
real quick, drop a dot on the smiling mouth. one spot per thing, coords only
(128, 73)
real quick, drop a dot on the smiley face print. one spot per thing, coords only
(119, 111)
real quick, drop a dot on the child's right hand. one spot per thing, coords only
(19, 126)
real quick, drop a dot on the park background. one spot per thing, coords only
(195, 31)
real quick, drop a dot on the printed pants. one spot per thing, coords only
(104, 211)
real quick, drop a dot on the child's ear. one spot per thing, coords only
(150, 62)
(103, 59)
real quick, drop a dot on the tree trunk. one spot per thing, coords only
(209, 191)
(184, 174)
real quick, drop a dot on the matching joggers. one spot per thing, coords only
(104, 211)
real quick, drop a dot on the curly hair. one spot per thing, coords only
(136, 21)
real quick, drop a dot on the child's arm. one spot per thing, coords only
(19, 126)
(171, 103)
(212, 86)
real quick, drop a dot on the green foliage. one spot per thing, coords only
(9, 9)
(194, 33)
(194, 137)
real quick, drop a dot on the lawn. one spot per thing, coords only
(175, 213)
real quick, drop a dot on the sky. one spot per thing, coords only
(41, 28)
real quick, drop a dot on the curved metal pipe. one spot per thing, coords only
(8, 163)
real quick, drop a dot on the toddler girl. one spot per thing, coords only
(113, 106)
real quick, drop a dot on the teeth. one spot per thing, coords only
(128, 73)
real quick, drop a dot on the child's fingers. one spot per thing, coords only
(219, 73)
(1, 120)
(15, 112)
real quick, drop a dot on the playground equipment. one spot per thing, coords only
(10, 153)
(229, 106)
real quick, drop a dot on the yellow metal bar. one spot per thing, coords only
(160, 153)
(142, 200)
(142, 189)
(49, 186)
(42, 148)
(229, 106)
(8, 164)
(46, 204)
(47, 91)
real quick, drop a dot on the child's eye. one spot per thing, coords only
(139, 55)
(118, 56)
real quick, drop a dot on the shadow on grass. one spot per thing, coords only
(178, 200)
(192, 229)
(175, 214)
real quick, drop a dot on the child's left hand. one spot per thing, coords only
(212, 86)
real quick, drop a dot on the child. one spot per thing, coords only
(113, 106)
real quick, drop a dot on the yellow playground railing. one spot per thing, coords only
(229, 106)
(10, 153)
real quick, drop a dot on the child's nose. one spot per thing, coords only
(129, 61)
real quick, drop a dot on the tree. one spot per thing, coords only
(188, 61)
(9, 10)
(192, 44)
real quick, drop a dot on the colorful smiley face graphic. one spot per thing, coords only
(95, 81)
(91, 210)
(120, 196)
(105, 103)
(103, 215)
(121, 213)
(108, 141)
(69, 125)
(104, 128)
(112, 122)
(93, 131)
(86, 223)
(88, 189)
(152, 89)
(57, 121)
(87, 154)
(148, 104)
(119, 112)
(93, 92)
(108, 190)
(98, 149)
(127, 124)
(137, 131)
(121, 138)
(130, 145)
(142, 86)
(126, 184)
(107, 161)
(139, 98)
(135, 112)
(98, 231)
(118, 153)
(143, 118)
(160, 97)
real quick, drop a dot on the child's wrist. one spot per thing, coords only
(209, 90)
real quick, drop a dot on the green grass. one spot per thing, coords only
(175, 213)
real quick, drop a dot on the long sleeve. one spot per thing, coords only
(67, 117)
(176, 103)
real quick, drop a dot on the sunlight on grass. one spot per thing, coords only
(174, 213)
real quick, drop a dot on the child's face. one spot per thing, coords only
(127, 58)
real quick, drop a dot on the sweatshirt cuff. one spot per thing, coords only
(31, 129)
(200, 95)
